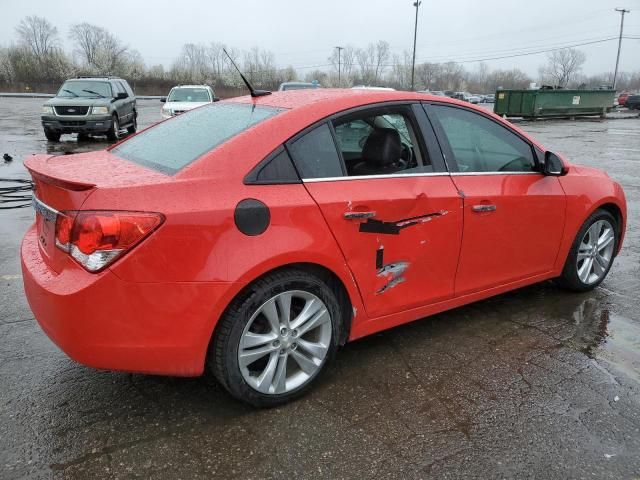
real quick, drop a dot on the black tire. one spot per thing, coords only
(113, 133)
(52, 136)
(222, 359)
(569, 278)
(83, 137)
(134, 126)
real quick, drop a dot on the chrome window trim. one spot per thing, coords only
(404, 175)
(462, 174)
(374, 177)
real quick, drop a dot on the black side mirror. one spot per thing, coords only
(163, 99)
(553, 165)
(121, 96)
(216, 99)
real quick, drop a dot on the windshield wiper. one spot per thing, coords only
(94, 93)
(69, 91)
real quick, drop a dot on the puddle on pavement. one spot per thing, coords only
(607, 337)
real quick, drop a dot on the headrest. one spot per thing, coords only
(382, 147)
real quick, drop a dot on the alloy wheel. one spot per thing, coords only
(285, 342)
(595, 252)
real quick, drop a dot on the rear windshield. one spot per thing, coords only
(172, 145)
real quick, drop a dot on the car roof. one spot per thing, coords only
(191, 86)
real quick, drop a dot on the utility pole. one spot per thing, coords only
(339, 51)
(415, 36)
(615, 73)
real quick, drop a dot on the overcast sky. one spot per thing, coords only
(302, 33)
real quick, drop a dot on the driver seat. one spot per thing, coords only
(381, 151)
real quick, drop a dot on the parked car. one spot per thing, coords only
(90, 105)
(633, 102)
(466, 96)
(622, 99)
(297, 86)
(252, 237)
(436, 93)
(491, 98)
(475, 98)
(183, 98)
(370, 87)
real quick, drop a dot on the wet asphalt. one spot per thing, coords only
(536, 383)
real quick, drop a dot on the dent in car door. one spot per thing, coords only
(400, 234)
(513, 220)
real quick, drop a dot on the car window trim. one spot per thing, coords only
(447, 151)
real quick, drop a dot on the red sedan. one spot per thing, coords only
(252, 237)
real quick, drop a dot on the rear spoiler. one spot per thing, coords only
(37, 166)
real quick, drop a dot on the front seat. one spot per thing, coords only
(381, 151)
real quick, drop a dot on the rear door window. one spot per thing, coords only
(315, 154)
(173, 144)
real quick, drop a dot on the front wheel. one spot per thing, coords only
(113, 133)
(591, 254)
(275, 340)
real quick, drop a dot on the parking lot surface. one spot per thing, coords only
(536, 383)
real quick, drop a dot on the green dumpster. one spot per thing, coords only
(553, 103)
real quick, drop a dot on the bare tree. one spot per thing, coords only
(38, 35)
(381, 58)
(562, 65)
(99, 50)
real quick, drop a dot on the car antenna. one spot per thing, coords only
(254, 92)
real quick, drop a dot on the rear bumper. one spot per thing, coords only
(104, 322)
(76, 124)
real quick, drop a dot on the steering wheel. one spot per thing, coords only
(406, 155)
(520, 161)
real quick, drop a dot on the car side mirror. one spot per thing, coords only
(121, 95)
(216, 99)
(553, 165)
(163, 99)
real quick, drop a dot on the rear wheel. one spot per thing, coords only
(52, 136)
(114, 132)
(592, 253)
(134, 126)
(276, 339)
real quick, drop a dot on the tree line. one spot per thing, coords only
(38, 58)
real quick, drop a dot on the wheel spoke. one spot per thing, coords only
(247, 357)
(605, 239)
(280, 379)
(600, 264)
(594, 233)
(316, 350)
(585, 270)
(266, 377)
(583, 255)
(252, 340)
(319, 318)
(307, 365)
(284, 303)
(271, 312)
(310, 308)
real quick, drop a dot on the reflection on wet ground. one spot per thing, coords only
(536, 383)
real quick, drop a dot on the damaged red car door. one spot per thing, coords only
(394, 212)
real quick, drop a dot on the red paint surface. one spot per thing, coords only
(155, 309)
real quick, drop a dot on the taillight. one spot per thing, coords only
(97, 238)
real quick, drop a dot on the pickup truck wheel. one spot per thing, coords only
(591, 254)
(275, 340)
(52, 136)
(134, 126)
(114, 132)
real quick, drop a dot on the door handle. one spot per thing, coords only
(483, 208)
(358, 215)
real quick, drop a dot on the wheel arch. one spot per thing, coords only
(333, 280)
(614, 209)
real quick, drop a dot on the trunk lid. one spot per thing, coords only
(63, 183)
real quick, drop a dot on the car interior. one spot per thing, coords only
(379, 144)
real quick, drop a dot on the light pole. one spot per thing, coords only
(615, 73)
(339, 51)
(415, 36)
